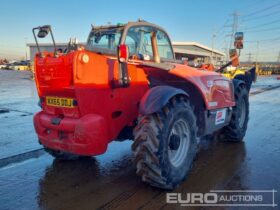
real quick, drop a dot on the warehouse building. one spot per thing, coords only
(191, 51)
(197, 52)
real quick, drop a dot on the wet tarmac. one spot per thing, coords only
(18, 103)
(109, 181)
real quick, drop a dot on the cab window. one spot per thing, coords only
(138, 39)
(164, 46)
(104, 40)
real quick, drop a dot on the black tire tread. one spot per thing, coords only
(232, 131)
(146, 143)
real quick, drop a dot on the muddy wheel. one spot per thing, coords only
(237, 127)
(61, 155)
(165, 144)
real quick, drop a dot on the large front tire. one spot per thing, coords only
(165, 144)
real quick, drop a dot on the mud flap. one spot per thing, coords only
(157, 97)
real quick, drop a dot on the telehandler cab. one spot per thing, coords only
(126, 84)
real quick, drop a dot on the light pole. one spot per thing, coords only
(25, 40)
(213, 40)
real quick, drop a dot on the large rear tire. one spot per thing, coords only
(165, 144)
(237, 127)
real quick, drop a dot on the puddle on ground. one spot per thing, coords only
(2, 111)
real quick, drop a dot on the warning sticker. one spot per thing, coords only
(220, 116)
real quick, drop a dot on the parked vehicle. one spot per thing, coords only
(19, 65)
(126, 84)
(3, 66)
(3, 63)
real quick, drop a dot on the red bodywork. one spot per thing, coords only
(101, 110)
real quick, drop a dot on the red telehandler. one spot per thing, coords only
(126, 84)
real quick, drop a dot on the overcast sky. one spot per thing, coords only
(185, 20)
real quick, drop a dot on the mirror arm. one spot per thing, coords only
(37, 44)
(55, 49)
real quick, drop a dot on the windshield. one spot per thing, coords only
(105, 40)
(139, 41)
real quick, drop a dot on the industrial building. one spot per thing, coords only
(197, 52)
(191, 51)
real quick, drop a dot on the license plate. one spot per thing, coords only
(60, 102)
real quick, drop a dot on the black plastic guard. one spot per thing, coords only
(157, 97)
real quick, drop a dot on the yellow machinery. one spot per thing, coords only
(232, 73)
(266, 72)
(20, 67)
(230, 69)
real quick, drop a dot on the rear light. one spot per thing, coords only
(123, 53)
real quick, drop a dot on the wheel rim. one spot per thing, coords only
(177, 152)
(242, 113)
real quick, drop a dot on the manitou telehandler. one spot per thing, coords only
(126, 84)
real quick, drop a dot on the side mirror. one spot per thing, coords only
(43, 31)
(238, 40)
(123, 53)
(234, 57)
